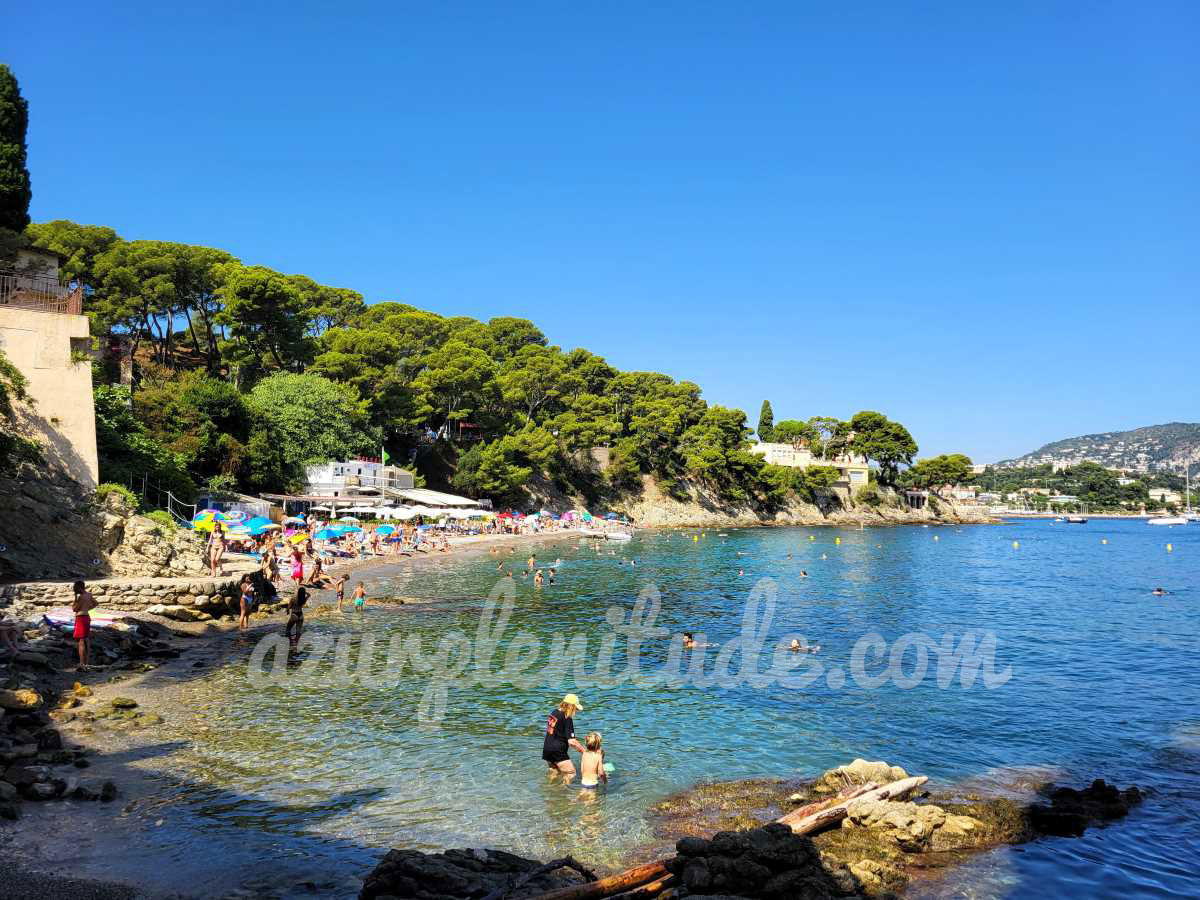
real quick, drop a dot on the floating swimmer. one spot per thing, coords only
(1159, 592)
(796, 648)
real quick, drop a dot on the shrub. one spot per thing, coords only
(868, 496)
(163, 518)
(104, 490)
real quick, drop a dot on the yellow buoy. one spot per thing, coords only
(696, 537)
(1016, 545)
(837, 540)
(811, 537)
(1104, 540)
(1169, 548)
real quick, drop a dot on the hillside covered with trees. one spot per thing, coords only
(245, 374)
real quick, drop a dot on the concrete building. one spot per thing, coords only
(45, 335)
(366, 478)
(1166, 495)
(854, 470)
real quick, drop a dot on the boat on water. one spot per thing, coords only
(1167, 520)
(1188, 515)
(1076, 520)
(618, 536)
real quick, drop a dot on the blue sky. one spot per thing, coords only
(980, 219)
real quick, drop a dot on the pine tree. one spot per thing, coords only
(14, 176)
(766, 422)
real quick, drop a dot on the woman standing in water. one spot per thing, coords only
(560, 735)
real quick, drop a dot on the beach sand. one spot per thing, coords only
(69, 848)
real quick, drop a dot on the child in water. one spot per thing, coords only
(591, 763)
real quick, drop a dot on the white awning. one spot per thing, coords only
(435, 498)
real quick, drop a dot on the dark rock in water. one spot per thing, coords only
(49, 740)
(1071, 811)
(765, 862)
(108, 792)
(8, 811)
(457, 874)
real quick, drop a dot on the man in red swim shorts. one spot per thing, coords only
(82, 607)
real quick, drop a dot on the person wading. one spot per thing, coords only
(560, 735)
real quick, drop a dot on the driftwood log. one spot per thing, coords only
(566, 862)
(849, 792)
(646, 891)
(825, 818)
(620, 883)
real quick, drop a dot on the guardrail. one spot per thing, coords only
(162, 498)
(39, 293)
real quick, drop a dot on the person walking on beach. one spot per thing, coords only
(297, 565)
(560, 736)
(247, 602)
(340, 586)
(82, 606)
(216, 549)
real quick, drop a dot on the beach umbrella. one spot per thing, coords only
(237, 529)
(385, 530)
(347, 518)
(349, 529)
(327, 534)
(236, 516)
(293, 520)
(505, 515)
(263, 529)
(587, 517)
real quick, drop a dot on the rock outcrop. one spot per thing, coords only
(51, 527)
(653, 508)
(405, 874)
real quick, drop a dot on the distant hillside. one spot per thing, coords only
(1155, 448)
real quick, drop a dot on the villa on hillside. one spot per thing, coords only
(853, 470)
(45, 334)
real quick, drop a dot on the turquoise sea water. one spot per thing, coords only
(1103, 684)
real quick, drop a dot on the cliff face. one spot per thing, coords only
(654, 509)
(52, 527)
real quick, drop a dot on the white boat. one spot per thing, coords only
(618, 536)
(1188, 515)
(1167, 520)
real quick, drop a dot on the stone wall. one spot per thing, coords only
(182, 599)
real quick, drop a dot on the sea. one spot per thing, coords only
(1031, 649)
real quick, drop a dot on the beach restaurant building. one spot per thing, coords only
(854, 470)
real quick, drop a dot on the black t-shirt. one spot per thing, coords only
(559, 729)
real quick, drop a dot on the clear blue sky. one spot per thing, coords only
(980, 219)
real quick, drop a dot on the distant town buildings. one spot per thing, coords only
(1165, 495)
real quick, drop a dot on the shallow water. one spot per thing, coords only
(1103, 684)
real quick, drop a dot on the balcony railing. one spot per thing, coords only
(39, 293)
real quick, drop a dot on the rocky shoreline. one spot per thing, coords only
(825, 847)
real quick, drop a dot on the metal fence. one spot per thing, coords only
(39, 293)
(161, 498)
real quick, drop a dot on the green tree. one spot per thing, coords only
(510, 335)
(15, 192)
(127, 453)
(202, 419)
(80, 246)
(312, 419)
(534, 377)
(267, 319)
(451, 385)
(766, 422)
(796, 433)
(878, 438)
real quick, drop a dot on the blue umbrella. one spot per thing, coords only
(385, 529)
(349, 529)
(325, 534)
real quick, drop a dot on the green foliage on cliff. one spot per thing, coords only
(766, 422)
(247, 374)
(14, 449)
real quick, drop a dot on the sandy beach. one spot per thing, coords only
(81, 849)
